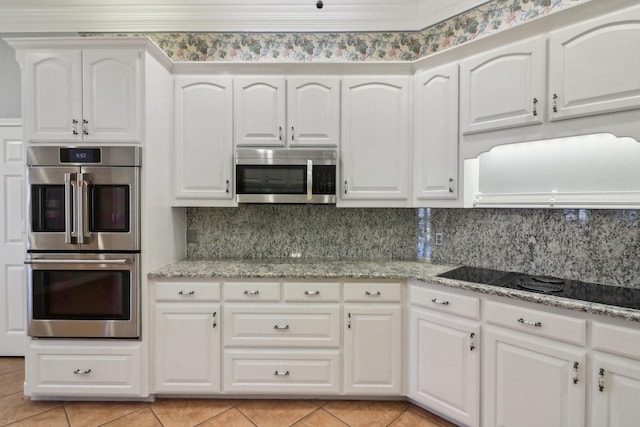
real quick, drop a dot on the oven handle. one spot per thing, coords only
(81, 207)
(79, 261)
(67, 206)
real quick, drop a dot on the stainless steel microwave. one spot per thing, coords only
(286, 176)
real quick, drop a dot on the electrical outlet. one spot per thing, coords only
(439, 239)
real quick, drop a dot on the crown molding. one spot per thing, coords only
(226, 15)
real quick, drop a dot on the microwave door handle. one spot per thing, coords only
(309, 180)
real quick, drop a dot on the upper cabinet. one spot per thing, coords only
(435, 149)
(274, 111)
(90, 95)
(594, 67)
(375, 139)
(203, 140)
(503, 87)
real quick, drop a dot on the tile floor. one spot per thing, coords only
(18, 410)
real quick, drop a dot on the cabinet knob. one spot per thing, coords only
(601, 380)
(555, 103)
(256, 292)
(85, 129)
(312, 293)
(440, 301)
(74, 126)
(535, 106)
(280, 133)
(373, 294)
(281, 374)
(186, 293)
(227, 187)
(450, 185)
(293, 132)
(82, 371)
(281, 328)
(576, 365)
(530, 323)
(346, 187)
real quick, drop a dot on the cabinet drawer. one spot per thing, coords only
(187, 290)
(550, 325)
(91, 371)
(312, 291)
(282, 371)
(616, 339)
(447, 302)
(282, 326)
(372, 292)
(252, 291)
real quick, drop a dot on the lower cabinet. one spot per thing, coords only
(444, 364)
(187, 348)
(187, 337)
(83, 369)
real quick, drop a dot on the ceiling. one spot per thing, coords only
(225, 15)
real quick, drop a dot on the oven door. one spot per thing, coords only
(83, 295)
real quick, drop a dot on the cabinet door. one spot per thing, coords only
(187, 356)
(375, 138)
(615, 391)
(504, 87)
(444, 365)
(531, 382)
(594, 66)
(259, 111)
(203, 138)
(373, 349)
(313, 111)
(53, 95)
(111, 96)
(436, 133)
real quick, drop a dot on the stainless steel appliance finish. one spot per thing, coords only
(286, 176)
(83, 295)
(83, 198)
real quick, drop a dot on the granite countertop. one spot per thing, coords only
(370, 269)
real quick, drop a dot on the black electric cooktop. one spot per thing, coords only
(566, 288)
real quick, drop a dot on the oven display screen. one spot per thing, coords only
(80, 155)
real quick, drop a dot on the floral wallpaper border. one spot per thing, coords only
(491, 17)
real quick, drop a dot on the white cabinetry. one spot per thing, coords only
(90, 95)
(282, 345)
(444, 353)
(375, 140)
(373, 338)
(274, 111)
(503, 87)
(594, 66)
(203, 141)
(531, 381)
(615, 378)
(435, 141)
(187, 337)
(81, 369)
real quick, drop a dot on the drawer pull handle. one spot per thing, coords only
(187, 293)
(575, 378)
(372, 294)
(252, 292)
(440, 301)
(281, 328)
(82, 372)
(281, 374)
(530, 322)
(312, 293)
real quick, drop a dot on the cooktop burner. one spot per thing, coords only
(566, 288)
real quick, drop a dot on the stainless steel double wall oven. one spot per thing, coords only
(83, 243)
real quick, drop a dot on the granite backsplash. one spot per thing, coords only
(601, 246)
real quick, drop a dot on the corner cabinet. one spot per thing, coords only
(375, 140)
(373, 339)
(594, 66)
(293, 111)
(187, 337)
(88, 95)
(435, 139)
(203, 155)
(503, 87)
(444, 352)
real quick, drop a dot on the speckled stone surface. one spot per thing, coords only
(601, 246)
(313, 231)
(384, 269)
